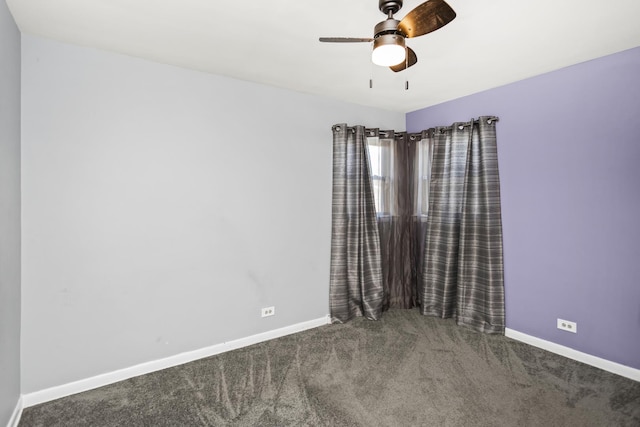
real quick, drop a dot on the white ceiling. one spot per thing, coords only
(275, 42)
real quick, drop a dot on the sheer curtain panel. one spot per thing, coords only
(399, 204)
(356, 287)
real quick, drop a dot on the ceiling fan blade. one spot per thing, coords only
(408, 62)
(427, 17)
(344, 40)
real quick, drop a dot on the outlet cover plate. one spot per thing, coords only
(568, 326)
(268, 311)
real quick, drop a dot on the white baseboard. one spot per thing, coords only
(607, 365)
(35, 398)
(15, 416)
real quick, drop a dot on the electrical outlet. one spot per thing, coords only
(568, 326)
(268, 311)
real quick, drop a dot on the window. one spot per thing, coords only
(424, 156)
(381, 161)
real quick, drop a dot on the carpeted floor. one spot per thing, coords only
(405, 370)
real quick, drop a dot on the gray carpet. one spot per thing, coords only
(404, 370)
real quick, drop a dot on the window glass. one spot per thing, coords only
(423, 158)
(380, 159)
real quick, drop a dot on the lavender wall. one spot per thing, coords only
(569, 152)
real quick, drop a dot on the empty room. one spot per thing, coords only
(319, 213)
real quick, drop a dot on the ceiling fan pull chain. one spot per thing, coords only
(371, 71)
(406, 65)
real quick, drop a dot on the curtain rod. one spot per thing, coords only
(413, 135)
(442, 129)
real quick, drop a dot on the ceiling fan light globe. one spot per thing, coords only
(388, 50)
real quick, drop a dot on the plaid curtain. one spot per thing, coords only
(463, 273)
(356, 275)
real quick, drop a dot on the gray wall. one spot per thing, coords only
(162, 208)
(9, 214)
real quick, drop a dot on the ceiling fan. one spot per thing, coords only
(389, 48)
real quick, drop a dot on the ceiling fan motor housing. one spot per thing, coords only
(388, 26)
